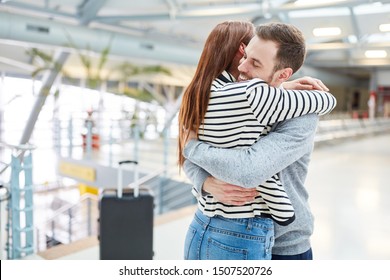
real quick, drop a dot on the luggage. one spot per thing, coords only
(126, 221)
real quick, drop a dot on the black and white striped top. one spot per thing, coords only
(239, 114)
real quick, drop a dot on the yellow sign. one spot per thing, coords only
(77, 171)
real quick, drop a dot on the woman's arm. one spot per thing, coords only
(271, 105)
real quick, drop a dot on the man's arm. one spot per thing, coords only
(222, 191)
(251, 166)
(196, 174)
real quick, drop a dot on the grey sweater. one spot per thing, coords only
(286, 150)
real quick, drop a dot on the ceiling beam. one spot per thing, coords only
(34, 10)
(172, 8)
(18, 64)
(208, 11)
(190, 13)
(14, 28)
(320, 5)
(355, 24)
(363, 63)
(346, 46)
(88, 11)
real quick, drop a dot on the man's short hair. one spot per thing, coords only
(291, 42)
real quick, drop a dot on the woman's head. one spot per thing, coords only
(221, 52)
(221, 47)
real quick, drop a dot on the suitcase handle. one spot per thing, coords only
(127, 161)
(120, 177)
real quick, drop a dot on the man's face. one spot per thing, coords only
(259, 62)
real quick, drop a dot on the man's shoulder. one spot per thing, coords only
(308, 121)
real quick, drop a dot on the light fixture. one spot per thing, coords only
(306, 2)
(326, 31)
(384, 27)
(375, 54)
(352, 39)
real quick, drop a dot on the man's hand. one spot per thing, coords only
(305, 83)
(227, 193)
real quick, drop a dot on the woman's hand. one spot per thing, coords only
(305, 83)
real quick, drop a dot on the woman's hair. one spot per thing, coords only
(218, 53)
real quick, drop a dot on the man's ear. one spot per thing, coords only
(285, 74)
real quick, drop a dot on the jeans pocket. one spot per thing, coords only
(189, 250)
(219, 251)
(269, 244)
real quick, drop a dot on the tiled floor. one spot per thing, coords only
(349, 194)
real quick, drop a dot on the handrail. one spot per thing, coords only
(65, 208)
(345, 128)
(146, 178)
(23, 147)
(6, 165)
(43, 226)
(20, 150)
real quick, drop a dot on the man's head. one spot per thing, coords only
(274, 54)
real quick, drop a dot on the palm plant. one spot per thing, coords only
(93, 75)
(47, 63)
(128, 70)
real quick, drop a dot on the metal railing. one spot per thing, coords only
(73, 221)
(69, 222)
(19, 226)
(329, 130)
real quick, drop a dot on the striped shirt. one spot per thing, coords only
(238, 114)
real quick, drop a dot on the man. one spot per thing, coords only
(287, 149)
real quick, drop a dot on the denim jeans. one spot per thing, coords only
(308, 255)
(219, 238)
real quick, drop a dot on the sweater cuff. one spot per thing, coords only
(197, 178)
(189, 148)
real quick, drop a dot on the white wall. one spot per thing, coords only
(327, 77)
(383, 78)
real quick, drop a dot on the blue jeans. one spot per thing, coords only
(308, 255)
(219, 238)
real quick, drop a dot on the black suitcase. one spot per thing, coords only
(126, 221)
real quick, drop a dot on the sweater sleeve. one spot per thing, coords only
(251, 166)
(271, 105)
(196, 174)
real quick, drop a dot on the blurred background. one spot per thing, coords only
(87, 83)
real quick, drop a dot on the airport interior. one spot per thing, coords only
(90, 87)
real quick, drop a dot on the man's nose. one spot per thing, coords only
(242, 66)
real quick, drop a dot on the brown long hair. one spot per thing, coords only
(218, 53)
